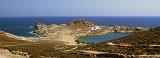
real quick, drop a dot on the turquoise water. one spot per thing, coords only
(102, 38)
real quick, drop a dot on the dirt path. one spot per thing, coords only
(113, 44)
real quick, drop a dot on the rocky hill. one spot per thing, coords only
(81, 27)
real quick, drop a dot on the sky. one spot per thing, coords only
(14, 8)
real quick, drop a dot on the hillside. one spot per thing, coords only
(6, 40)
(141, 44)
(150, 37)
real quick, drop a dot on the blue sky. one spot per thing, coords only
(11, 8)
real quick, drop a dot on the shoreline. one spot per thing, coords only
(69, 33)
(67, 39)
(88, 37)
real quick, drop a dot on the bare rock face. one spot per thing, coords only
(122, 29)
(43, 29)
(40, 28)
(39, 25)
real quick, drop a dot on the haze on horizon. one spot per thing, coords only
(14, 8)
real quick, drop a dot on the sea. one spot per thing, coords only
(23, 26)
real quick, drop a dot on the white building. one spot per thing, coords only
(95, 28)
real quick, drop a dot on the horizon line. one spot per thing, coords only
(77, 16)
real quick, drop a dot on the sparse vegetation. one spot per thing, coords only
(142, 43)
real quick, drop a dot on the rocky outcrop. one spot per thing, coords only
(119, 29)
(43, 29)
(139, 28)
(81, 23)
(40, 28)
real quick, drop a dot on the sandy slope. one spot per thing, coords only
(67, 37)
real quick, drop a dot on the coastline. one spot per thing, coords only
(62, 38)
(71, 33)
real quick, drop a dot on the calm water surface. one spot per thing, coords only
(102, 38)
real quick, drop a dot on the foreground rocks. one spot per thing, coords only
(6, 54)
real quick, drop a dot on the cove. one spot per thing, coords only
(102, 38)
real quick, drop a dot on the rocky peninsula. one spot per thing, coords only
(71, 31)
